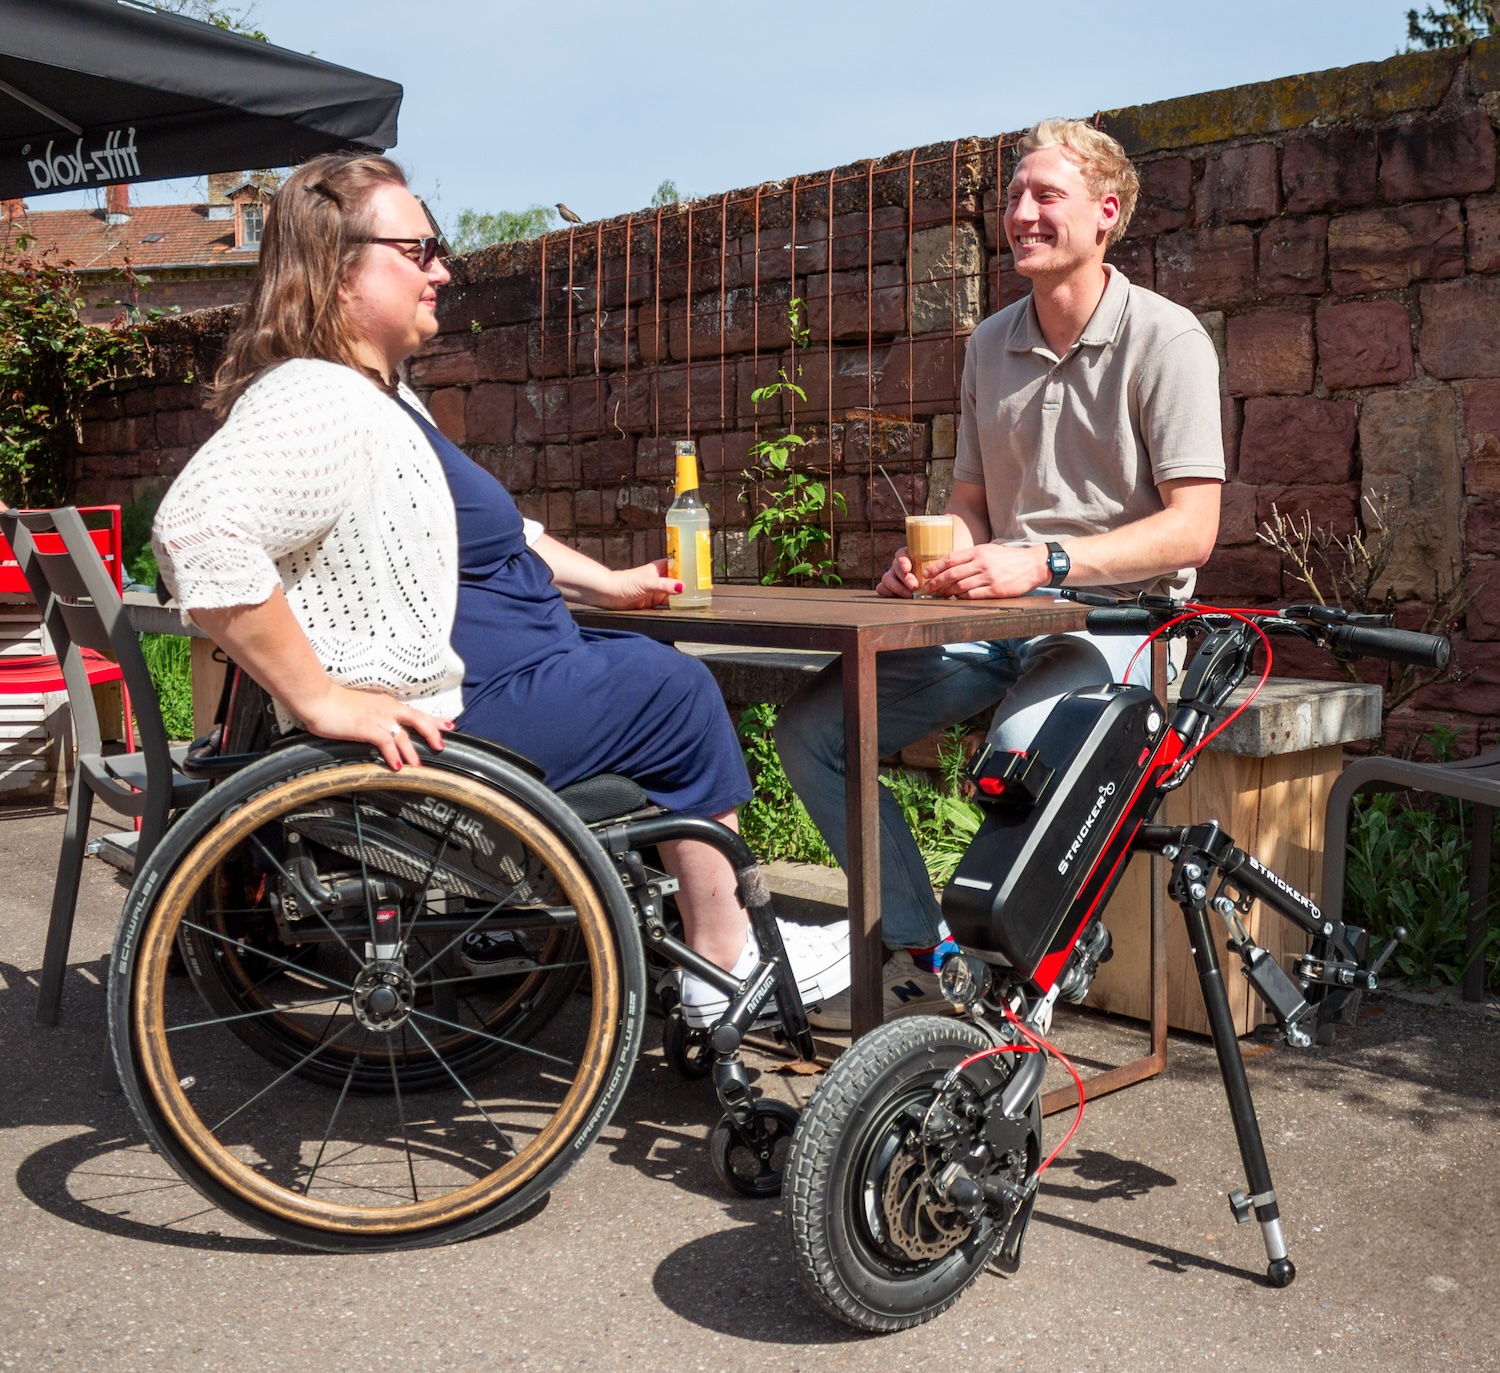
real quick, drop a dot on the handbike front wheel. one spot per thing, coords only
(872, 1242)
(333, 1072)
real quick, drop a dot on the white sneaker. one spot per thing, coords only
(819, 958)
(905, 989)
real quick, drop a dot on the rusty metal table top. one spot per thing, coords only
(859, 625)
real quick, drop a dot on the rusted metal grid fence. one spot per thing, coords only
(570, 364)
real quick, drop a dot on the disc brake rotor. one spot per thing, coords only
(919, 1223)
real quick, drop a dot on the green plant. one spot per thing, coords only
(774, 822)
(475, 229)
(169, 660)
(49, 361)
(943, 820)
(1456, 22)
(791, 521)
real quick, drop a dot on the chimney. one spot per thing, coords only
(116, 204)
(220, 184)
(12, 209)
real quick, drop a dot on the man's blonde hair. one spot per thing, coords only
(1106, 170)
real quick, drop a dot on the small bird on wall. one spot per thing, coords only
(568, 214)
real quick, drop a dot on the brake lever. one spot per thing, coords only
(1397, 935)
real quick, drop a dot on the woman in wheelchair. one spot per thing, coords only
(436, 964)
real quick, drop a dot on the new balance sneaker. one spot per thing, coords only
(819, 958)
(905, 989)
(493, 954)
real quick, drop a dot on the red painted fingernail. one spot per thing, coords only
(677, 589)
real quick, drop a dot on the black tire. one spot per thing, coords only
(689, 1052)
(337, 1099)
(849, 1137)
(755, 1169)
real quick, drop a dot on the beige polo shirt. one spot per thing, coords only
(1077, 445)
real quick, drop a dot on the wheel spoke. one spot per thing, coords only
(529, 971)
(242, 947)
(459, 938)
(390, 1053)
(271, 1086)
(251, 1015)
(364, 874)
(337, 1107)
(317, 911)
(467, 1094)
(485, 1034)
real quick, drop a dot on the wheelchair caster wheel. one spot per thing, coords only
(689, 1052)
(1281, 1273)
(754, 1168)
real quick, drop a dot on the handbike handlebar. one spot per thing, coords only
(1398, 645)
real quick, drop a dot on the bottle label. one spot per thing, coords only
(705, 561)
(674, 553)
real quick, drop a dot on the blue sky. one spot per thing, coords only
(514, 102)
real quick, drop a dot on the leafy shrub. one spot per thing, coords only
(169, 660)
(774, 822)
(1409, 866)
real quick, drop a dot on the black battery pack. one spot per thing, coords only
(1036, 872)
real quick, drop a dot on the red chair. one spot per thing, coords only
(30, 674)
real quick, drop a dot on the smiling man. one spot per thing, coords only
(1089, 455)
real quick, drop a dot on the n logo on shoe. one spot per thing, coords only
(907, 991)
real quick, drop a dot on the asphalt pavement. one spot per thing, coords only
(1384, 1150)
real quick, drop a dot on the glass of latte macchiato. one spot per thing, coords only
(928, 538)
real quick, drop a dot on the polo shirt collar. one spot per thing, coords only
(1103, 327)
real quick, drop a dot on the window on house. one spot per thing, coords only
(252, 219)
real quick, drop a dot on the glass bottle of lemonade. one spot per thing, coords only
(689, 551)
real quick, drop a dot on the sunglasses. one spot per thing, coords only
(421, 251)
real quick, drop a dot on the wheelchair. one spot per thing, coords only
(302, 1036)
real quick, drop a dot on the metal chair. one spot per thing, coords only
(82, 610)
(1476, 780)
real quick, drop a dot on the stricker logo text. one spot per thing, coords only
(113, 162)
(1105, 792)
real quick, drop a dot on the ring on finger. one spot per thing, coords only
(397, 731)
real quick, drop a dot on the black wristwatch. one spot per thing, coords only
(1058, 564)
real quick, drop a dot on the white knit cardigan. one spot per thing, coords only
(320, 483)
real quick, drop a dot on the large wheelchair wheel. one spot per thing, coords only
(335, 1069)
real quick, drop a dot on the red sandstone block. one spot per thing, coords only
(103, 406)
(139, 401)
(560, 512)
(655, 458)
(550, 348)
(724, 454)
(533, 506)
(920, 376)
(1482, 425)
(1236, 514)
(1206, 266)
(1382, 250)
(195, 427)
(500, 353)
(513, 466)
(1270, 353)
(1135, 257)
(1008, 285)
(1293, 257)
(660, 401)
(490, 413)
(1239, 184)
(1461, 328)
(1230, 423)
(603, 461)
(1479, 692)
(449, 360)
(1333, 507)
(853, 246)
(1166, 196)
(560, 465)
(590, 547)
(928, 214)
(616, 550)
(168, 427)
(860, 304)
(447, 410)
(1483, 214)
(1439, 156)
(1298, 438)
(1329, 169)
(1367, 343)
(595, 509)
(1483, 619)
(1235, 574)
(881, 501)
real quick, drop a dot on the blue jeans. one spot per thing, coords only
(921, 690)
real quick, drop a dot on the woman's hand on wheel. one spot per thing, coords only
(373, 717)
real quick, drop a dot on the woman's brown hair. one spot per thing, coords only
(315, 231)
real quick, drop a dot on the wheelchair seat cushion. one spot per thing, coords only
(603, 797)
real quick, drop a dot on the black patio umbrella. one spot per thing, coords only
(94, 92)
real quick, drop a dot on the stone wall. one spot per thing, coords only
(1338, 233)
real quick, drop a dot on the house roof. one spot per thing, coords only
(154, 236)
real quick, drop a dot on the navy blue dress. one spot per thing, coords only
(576, 701)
